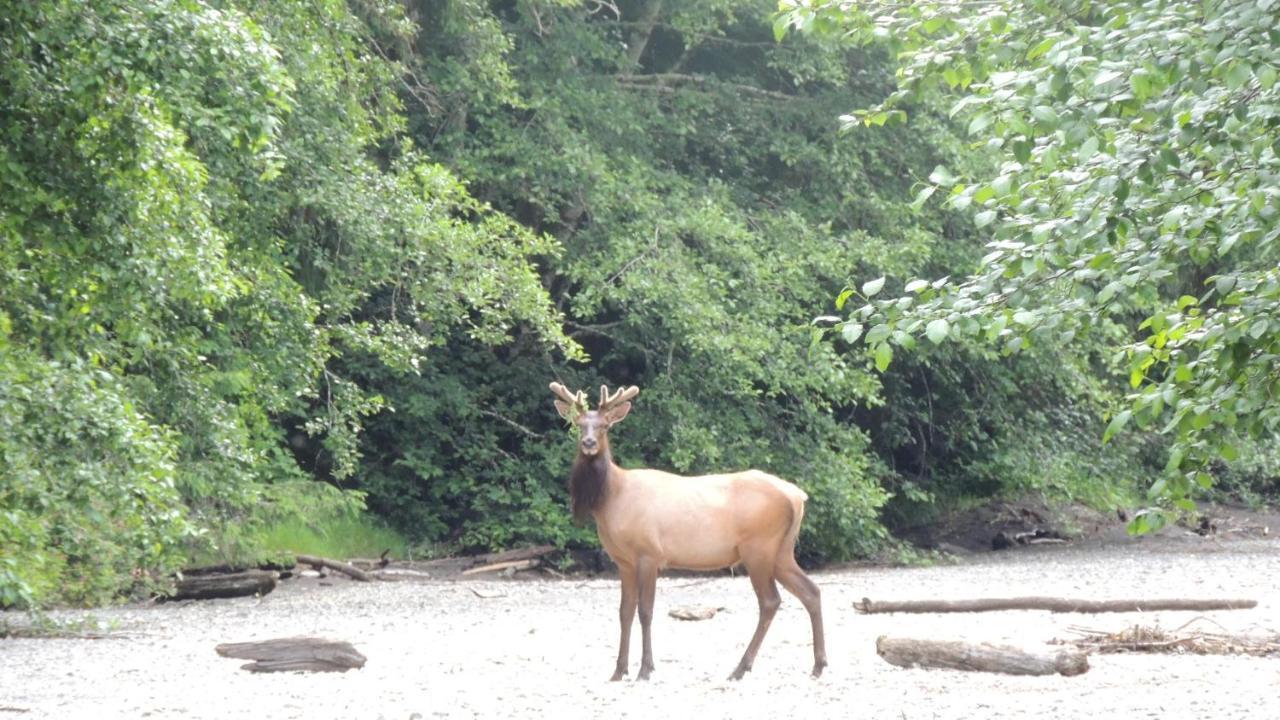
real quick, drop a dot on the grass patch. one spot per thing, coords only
(342, 537)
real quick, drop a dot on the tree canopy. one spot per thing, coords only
(1133, 198)
(204, 207)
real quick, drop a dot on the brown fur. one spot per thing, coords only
(648, 520)
(588, 484)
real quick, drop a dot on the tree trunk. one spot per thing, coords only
(984, 657)
(639, 39)
(300, 654)
(1052, 604)
(203, 587)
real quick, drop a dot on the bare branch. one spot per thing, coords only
(665, 82)
(508, 421)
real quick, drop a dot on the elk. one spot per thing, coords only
(649, 520)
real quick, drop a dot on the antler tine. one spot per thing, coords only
(578, 400)
(622, 395)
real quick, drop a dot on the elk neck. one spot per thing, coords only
(589, 482)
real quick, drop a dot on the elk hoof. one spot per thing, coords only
(618, 675)
(644, 673)
(818, 668)
(739, 672)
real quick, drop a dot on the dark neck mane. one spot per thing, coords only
(589, 483)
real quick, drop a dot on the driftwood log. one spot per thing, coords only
(1052, 604)
(694, 612)
(347, 569)
(298, 654)
(240, 584)
(984, 657)
(511, 565)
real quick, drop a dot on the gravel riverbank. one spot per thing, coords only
(545, 648)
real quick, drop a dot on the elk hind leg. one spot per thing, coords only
(805, 590)
(761, 571)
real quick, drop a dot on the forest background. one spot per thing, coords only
(284, 264)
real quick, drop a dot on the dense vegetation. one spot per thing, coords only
(273, 260)
(1135, 196)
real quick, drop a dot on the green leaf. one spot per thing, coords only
(942, 176)
(984, 218)
(1040, 49)
(851, 331)
(843, 298)
(1045, 115)
(1088, 149)
(937, 330)
(1266, 77)
(1146, 521)
(1117, 424)
(923, 196)
(780, 25)
(884, 356)
(916, 285)
(1238, 74)
(877, 334)
(1106, 76)
(871, 287)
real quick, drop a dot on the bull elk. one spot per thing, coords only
(649, 520)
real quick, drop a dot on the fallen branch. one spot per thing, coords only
(512, 565)
(1052, 604)
(1153, 639)
(984, 657)
(524, 553)
(347, 569)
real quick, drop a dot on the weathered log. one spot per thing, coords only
(298, 654)
(347, 569)
(983, 657)
(203, 587)
(512, 565)
(1052, 604)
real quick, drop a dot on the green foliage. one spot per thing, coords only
(244, 291)
(1137, 143)
(89, 503)
(674, 150)
(205, 207)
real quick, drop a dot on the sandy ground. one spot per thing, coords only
(545, 648)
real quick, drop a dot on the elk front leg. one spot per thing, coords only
(647, 573)
(626, 614)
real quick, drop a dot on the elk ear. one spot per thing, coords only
(564, 409)
(616, 414)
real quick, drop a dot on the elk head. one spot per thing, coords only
(593, 425)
